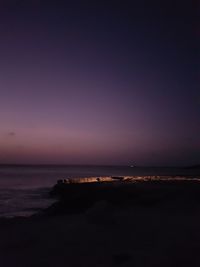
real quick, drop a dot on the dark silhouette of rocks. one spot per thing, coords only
(79, 197)
(197, 166)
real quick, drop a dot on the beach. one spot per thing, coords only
(159, 227)
(99, 134)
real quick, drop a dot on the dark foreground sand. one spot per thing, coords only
(161, 227)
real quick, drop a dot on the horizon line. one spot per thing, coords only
(94, 165)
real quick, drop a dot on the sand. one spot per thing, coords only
(160, 233)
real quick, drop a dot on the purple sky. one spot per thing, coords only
(99, 83)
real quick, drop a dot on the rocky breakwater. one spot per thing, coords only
(77, 195)
(65, 184)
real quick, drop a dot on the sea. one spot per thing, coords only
(24, 189)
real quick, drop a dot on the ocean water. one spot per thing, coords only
(24, 190)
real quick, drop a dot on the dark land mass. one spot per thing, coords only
(147, 223)
(197, 166)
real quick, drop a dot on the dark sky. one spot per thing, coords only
(111, 82)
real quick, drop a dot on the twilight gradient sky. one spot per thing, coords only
(99, 82)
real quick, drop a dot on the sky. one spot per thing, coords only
(99, 82)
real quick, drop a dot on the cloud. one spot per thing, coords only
(11, 134)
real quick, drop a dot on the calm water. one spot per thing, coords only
(24, 189)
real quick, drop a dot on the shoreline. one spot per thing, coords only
(55, 192)
(141, 224)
